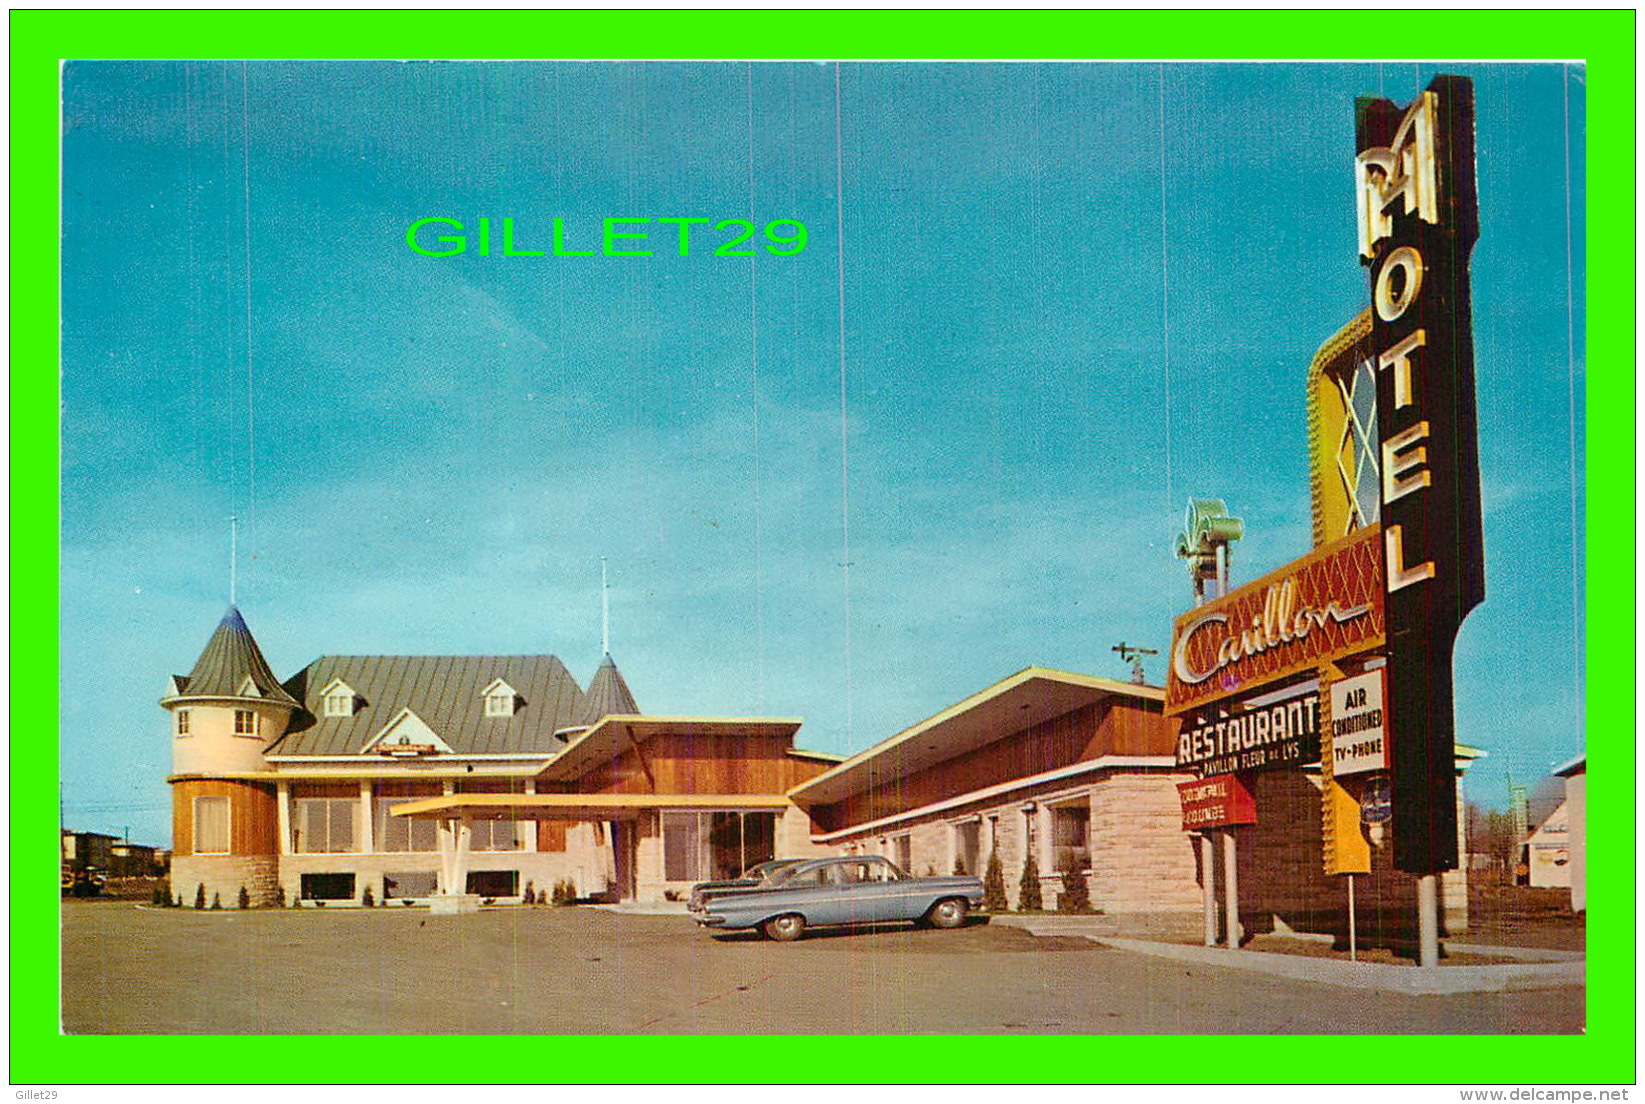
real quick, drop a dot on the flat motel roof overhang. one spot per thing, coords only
(1028, 697)
(561, 806)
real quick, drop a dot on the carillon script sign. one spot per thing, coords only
(1418, 221)
(1326, 605)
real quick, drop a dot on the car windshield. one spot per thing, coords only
(769, 871)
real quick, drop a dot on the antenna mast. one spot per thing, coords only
(605, 612)
(233, 555)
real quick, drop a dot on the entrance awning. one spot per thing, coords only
(563, 806)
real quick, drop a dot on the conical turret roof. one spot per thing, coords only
(608, 694)
(231, 657)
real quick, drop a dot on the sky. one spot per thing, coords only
(1070, 298)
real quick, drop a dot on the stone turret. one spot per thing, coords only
(225, 713)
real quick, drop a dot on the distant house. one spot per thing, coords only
(1548, 851)
(1575, 774)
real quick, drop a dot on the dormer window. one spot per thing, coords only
(501, 700)
(339, 699)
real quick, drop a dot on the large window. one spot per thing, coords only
(245, 722)
(493, 835)
(1071, 836)
(403, 833)
(211, 821)
(327, 887)
(700, 847)
(408, 883)
(323, 825)
(494, 883)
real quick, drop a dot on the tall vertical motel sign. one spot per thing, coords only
(1418, 221)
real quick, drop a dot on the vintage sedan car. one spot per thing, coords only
(759, 876)
(852, 889)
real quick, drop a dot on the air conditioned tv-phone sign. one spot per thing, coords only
(1359, 741)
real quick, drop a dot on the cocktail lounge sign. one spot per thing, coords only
(1325, 605)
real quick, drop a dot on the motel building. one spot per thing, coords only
(1077, 771)
(452, 780)
(513, 776)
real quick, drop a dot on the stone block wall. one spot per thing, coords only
(1141, 859)
(223, 876)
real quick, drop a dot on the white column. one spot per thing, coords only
(525, 831)
(1208, 882)
(1230, 875)
(282, 803)
(1428, 920)
(367, 827)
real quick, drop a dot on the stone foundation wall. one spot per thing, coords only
(223, 876)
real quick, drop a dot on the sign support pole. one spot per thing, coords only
(1231, 879)
(1208, 878)
(1353, 933)
(1428, 920)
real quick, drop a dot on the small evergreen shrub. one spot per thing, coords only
(368, 899)
(200, 896)
(993, 886)
(565, 892)
(959, 866)
(279, 896)
(245, 898)
(1075, 895)
(1028, 893)
(217, 901)
(530, 895)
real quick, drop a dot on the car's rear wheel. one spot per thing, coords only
(784, 929)
(947, 914)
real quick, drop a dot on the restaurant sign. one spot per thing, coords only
(1218, 802)
(1326, 605)
(1251, 736)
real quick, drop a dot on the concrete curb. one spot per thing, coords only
(1539, 968)
(1370, 975)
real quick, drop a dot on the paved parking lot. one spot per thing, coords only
(549, 971)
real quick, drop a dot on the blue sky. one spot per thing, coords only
(1074, 295)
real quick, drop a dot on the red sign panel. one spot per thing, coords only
(1216, 802)
(1324, 606)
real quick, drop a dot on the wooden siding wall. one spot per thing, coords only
(680, 763)
(254, 827)
(551, 835)
(1114, 728)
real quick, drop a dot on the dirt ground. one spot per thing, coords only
(395, 971)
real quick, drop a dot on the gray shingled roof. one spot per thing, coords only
(608, 695)
(231, 656)
(446, 692)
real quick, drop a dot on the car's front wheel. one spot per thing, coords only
(947, 914)
(784, 929)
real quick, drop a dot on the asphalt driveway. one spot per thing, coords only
(552, 971)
